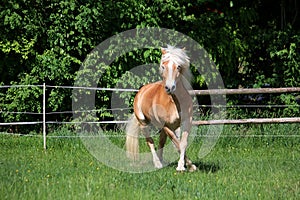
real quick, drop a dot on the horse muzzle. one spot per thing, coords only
(170, 89)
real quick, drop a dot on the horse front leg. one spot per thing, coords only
(181, 145)
(183, 158)
(182, 148)
(156, 161)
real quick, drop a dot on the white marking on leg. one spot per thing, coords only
(156, 160)
(182, 146)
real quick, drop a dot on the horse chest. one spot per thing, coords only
(175, 110)
(167, 113)
(153, 105)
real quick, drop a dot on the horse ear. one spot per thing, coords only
(163, 50)
(183, 48)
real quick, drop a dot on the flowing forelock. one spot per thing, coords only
(176, 55)
(180, 58)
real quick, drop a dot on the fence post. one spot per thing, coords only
(44, 115)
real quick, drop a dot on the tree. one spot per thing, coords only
(46, 41)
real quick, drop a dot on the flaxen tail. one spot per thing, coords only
(132, 138)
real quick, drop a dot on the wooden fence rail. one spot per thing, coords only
(194, 92)
(246, 91)
(248, 121)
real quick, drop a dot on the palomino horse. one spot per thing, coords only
(167, 105)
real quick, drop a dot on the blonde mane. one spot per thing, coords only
(181, 59)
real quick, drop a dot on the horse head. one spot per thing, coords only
(174, 62)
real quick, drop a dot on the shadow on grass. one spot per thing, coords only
(207, 167)
(202, 166)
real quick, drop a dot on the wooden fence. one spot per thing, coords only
(195, 92)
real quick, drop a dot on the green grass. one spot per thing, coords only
(239, 167)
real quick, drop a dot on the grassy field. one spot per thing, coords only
(240, 166)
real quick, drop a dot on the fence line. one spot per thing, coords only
(129, 108)
(193, 135)
(248, 121)
(18, 86)
(196, 123)
(196, 92)
(246, 91)
(193, 92)
(18, 123)
(124, 136)
(87, 122)
(94, 88)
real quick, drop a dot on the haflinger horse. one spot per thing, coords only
(168, 106)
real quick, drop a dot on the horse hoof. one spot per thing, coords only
(180, 169)
(192, 168)
(158, 166)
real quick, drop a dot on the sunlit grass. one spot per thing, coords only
(245, 167)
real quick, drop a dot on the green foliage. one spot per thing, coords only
(47, 41)
(22, 99)
(289, 64)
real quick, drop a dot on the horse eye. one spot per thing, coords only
(162, 67)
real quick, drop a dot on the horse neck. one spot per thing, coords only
(181, 86)
(184, 83)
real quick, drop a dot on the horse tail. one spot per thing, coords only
(132, 138)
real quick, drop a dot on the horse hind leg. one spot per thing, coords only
(156, 161)
(190, 165)
(162, 142)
